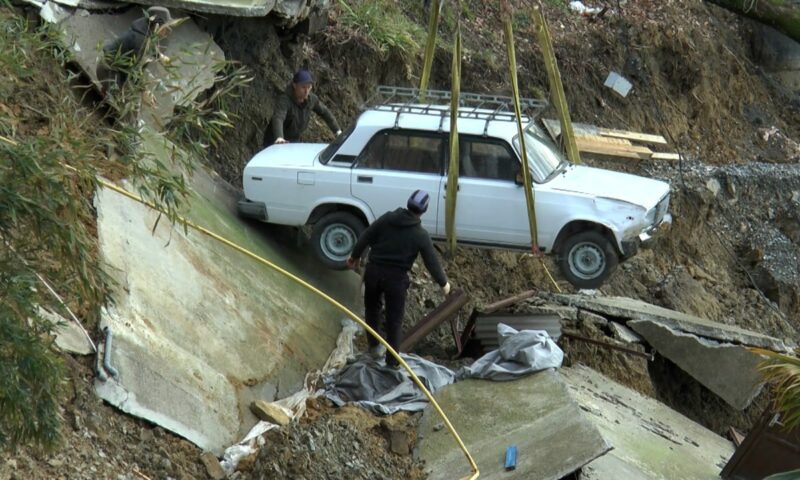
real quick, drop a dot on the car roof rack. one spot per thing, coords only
(437, 102)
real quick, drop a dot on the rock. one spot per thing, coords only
(212, 465)
(146, 435)
(399, 442)
(713, 186)
(796, 197)
(269, 412)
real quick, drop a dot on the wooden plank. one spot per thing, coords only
(665, 156)
(605, 140)
(642, 137)
(628, 151)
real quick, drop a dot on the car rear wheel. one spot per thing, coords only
(334, 236)
(587, 259)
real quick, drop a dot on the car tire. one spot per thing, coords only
(587, 259)
(334, 236)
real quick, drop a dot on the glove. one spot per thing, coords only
(351, 263)
(280, 140)
(446, 289)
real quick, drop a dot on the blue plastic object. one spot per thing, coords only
(511, 457)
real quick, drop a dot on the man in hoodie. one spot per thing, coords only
(293, 111)
(396, 238)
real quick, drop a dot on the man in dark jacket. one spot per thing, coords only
(396, 239)
(294, 108)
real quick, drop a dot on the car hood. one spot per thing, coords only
(597, 182)
(292, 155)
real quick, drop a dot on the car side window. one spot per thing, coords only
(403, 151)
(487, 159)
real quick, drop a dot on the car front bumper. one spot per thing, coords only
(631, 246)
(255, 210)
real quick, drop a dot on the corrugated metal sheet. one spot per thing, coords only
(486, 326)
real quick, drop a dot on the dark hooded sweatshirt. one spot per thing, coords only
(396, 239)
(290, 119)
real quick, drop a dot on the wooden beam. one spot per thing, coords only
(642, 137)
(665, 156)
(603, 148)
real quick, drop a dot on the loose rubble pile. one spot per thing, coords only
(345, 443)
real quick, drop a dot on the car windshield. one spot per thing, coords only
(326, 154)
(544, 157)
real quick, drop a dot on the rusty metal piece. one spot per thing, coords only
(574, 335)
(445, 311)
(768, 449)
(507, 302)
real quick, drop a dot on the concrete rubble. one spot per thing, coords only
(192, 55)
(69, 336)
(714, 354)
(650, 440)
(628, 308)
(535, 413)
(728, 370)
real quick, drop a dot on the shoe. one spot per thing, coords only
(377, 352)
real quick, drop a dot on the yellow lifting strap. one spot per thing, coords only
(526, 174)
(556, 87)
(451, 191)
(430, 48)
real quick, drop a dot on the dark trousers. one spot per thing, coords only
(388, 284)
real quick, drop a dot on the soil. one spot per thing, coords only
(731, 255)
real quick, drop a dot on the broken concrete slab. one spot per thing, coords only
(194, 59)
(650, 440)
(629, 308)
(188, 68)
(235, 8)
(69, 336)
(198, 325)
(593, 318)
(536, 413)
(728, 370)
(623, 333)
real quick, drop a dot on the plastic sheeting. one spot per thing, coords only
(520, 353)
(384, 390)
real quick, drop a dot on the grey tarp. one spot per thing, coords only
(380, 389)
(520, 353)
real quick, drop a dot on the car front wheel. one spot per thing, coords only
(587, 259)
(334, 236)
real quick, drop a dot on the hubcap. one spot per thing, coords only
(338, 241)
(586, 260)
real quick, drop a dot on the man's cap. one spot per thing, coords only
(418, 201)
(302, 77)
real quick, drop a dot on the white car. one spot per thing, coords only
(591, 218)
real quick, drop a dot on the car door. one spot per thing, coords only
(490, 208)
(394, 164)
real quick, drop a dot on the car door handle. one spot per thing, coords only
(363, 179)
